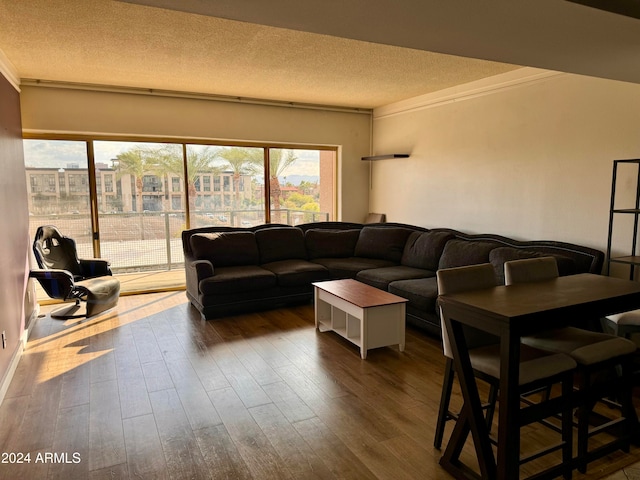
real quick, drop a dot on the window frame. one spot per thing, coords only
(185, 142)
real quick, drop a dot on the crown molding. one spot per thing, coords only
(9, 71)
(92, 87)
(467, 91)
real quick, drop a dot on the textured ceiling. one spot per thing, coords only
(107, 42)
(353, 53)
(551, 34)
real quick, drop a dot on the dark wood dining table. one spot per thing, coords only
(510, 312)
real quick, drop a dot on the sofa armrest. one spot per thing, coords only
(195, 272)
(203, 268)
(94, 267)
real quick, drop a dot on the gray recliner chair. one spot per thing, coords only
(66, 277)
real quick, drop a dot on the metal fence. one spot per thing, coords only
(151, 241)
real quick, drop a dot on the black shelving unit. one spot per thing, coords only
(633, 259)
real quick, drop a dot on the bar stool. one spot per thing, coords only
(479, 278)
(538, 368)
(623, 324)
(593, 352)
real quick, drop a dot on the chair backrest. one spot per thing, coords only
(55, 251)
(462, 279)
(530, 270)
(375, 218)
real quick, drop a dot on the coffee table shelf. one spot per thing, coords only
(364, 315)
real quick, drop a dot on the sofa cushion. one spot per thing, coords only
(280, 243)
(349, 267)
(498, 256)
(245, 278)
(292, 273)
(382, 277)
(383, 243)
(226, 249)
(422, 293)
(458, 253)
(566, 265)
(423, 249)
(323, 243)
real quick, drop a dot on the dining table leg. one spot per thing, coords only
(508, 463)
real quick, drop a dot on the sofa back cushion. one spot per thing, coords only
(384, 243)
(458, 253)
(423, 249)
(280, 243)
(225, 249)
(323, 243)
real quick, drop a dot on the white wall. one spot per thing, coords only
(46, 109)
(527, 155)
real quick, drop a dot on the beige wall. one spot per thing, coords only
(16, 307)
(78, 111)
(529, 159)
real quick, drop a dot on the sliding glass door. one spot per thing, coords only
(140, 205)
(128, 201)
(301, 185)
(226, 185)
(57, 178)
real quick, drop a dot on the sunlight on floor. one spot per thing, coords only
(74, 343)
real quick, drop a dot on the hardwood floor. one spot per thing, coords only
(149, 390)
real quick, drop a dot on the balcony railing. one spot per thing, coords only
(151, 241)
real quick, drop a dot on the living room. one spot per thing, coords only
(526, 153)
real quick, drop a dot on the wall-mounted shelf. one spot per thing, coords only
(386, 157)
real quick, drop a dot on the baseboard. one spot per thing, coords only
(17, 354)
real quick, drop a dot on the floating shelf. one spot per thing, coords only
(386, 157)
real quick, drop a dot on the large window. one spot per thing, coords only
(145, 193)
(226, 203)
(301, 185)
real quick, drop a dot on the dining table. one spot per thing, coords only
(510, 312)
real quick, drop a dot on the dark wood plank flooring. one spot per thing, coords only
(149, 390)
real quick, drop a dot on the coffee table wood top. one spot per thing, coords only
(358, 293)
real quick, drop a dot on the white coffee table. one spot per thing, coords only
(366, 316)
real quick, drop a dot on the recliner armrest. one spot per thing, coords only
(52, 274)
(94, 267)
(57, 283)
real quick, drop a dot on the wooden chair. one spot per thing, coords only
(538, 368)
(375, 218)
(477, 278)
(593, 353)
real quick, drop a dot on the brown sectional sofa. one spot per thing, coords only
(230, 270)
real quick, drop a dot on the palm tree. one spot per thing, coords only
(133, 162)
(169, 158)
(241, 161)
(279, 161)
